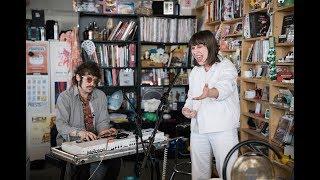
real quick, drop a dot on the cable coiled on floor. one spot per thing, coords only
(164, 164)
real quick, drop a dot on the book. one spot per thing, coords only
(114, 31)
(287, 27)
(283, 128)
(121, 31)
(250, 53)
(132, 33)
(259, 24)
(289, 137)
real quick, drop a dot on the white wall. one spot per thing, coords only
(58, 10)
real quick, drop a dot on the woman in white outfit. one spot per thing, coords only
(213, 106)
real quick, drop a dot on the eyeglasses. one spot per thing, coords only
(89, 79)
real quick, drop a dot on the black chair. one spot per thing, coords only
(50, 158)
(183, 131)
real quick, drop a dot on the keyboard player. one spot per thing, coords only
(82, 114)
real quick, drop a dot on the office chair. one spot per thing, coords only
(49, 157)
(182, 130)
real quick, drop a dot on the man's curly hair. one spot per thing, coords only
(87, 68)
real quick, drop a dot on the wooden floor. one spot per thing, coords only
(50, 172)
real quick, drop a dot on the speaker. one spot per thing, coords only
(49, 29)
(157, 7)
(37, 18)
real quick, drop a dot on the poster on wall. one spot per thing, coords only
(37, 91)
(40, 129)
(60, 59)
(60, 62)
(36, 57)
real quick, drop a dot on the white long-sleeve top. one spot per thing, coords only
(214, 114)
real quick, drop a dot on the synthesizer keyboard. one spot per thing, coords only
(101, 145)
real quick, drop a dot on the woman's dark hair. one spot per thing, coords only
(208, 39)
(87, 68)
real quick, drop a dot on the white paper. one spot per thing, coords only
(37, 91)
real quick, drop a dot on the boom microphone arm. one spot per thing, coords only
(160, 110)
(137, 125)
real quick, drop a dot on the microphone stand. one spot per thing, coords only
(137, 132)
(162, 106)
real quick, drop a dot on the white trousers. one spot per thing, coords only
(205, 146)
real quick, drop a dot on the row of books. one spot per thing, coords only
(258, 51)
(116, 56)
(222, 10)
(158, 29)
(118, 77)
(123, 30)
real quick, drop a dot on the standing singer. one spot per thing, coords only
(213, 106)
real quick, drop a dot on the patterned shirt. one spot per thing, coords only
(88, 115)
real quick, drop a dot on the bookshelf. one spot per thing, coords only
(210, 17)
(176, 48)
(147, 35)
(273, 87)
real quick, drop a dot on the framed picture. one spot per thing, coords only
(168, 7)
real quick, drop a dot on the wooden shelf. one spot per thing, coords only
(213, 23)
(256, 134)
(232, 21)
(256, 39)
(280, 107)
(256, 100)
(259, 10)
(276, 145)
(283, 166)
(284, 64)
(286, 9)
(255, 117)
(233, 35)
(255, 63)
(280, 84)
(255, 80)
(286, 44)
(248, 104)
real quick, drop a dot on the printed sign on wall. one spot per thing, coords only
(37, 91)
(37, 57)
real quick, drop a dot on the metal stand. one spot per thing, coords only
(160, 110)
